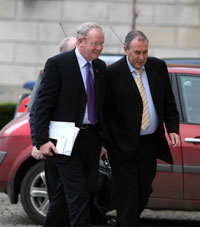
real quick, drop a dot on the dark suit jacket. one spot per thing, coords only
(62, 96)
(124, 119)
(31, 118)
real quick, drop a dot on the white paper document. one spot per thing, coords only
(65, 133)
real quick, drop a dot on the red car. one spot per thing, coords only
(21, 108)
(25, 97)
(175, 186)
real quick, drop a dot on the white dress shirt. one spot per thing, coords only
(152, 111)
(82, 65)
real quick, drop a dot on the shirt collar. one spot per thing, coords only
(81, 60)
(132, 69)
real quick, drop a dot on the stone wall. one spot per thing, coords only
(173, 26)
(30, 31)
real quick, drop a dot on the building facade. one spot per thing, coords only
(30, 31)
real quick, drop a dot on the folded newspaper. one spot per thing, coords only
(65, 133)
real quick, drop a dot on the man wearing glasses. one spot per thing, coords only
(72, 90)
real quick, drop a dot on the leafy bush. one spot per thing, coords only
(7, 111)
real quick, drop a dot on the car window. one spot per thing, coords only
(190, 91)
(175, 89)
(182, 61)
(110, 58)
(33, 92)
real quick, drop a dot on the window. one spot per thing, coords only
(190, 86)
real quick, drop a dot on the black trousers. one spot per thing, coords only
(77, 184)
(133, 182)
(51, 176)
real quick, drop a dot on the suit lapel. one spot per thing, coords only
(96, 73)
(96, 80)
(76, 72)
(128, 77)
(151, 76)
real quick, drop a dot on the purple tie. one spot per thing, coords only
(91, 102)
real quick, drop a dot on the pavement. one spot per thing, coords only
(12, 215)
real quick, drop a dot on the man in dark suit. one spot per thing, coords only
(64, 96)
(141, 100)
(51, 172)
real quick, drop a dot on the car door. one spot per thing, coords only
(189, 86)
(168, 183)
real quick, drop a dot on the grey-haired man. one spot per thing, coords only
(63, 96)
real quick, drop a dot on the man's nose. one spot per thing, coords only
(99, 47)
(141, 56)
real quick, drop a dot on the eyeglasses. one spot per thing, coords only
(96, 44)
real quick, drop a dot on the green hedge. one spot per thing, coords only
(7, 111)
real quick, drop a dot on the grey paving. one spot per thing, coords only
(12, 215)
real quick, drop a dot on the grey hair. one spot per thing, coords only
(64, 44)
(134, 35)
(84, 28)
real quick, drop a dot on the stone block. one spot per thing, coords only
(189, 2)
(120, 12)
(84, 11)
(158, 1)
(70, 28)
(144, 13)
(10, 93)
(159, 36)
(7, 9)
(16, 74)
(188, 37)
(110, 1)
(18, 31)
(7, 52)
(50, 32)
(39, 10)
(115, 34)
(169, 2)
(101, 12)
(35, 53)
(176, 14)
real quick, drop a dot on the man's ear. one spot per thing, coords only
(80, 41)
(125, 50)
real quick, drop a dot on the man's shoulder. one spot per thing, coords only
(63, 56)
(154, 60)
(156, 64)
(118, 64)
(100, 62)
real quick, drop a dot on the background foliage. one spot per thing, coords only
(7, 111)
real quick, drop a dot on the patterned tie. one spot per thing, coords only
(91, 102)
(145, 114)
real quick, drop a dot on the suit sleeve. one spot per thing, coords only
(171, 114)
(46, 101)
(31, 120)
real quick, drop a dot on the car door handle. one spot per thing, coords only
(192, 140)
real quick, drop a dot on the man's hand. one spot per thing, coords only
(37, 154)
(175, 140)
(103, 153)
(46, 148)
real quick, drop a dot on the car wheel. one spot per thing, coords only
(34, 196)
(35, 201)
